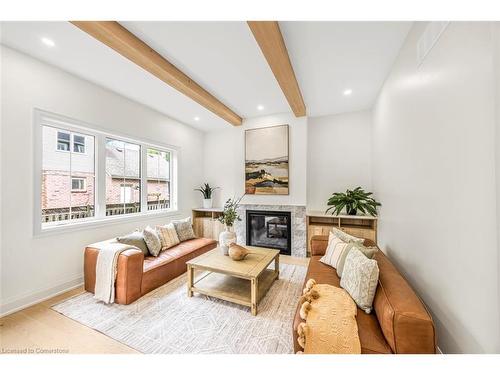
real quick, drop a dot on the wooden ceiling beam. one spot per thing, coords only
(115, 36)
(268, 36)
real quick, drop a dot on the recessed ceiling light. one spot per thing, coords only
(48, 42)
(196, 118)
(260, 107)
(347, 92)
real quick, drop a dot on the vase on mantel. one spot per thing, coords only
(227, 238)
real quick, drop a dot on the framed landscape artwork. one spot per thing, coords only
(266, 160)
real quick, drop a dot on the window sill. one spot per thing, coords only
(88, 224)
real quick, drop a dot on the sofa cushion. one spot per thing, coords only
(172, 262)
(369, 252)
(168, 236)
(406, 324)
(135, 239)
(184, 229)
(360, 279)
(336, 247)
(322, 273)
(346, 237)
(152, 240)
(153, 262)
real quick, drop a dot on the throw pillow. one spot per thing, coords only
(360, 279)
(135, 239)
(334, 250)
(369, 252)
(168, 236)
(346, 237)
(184, 229)
(152, 240)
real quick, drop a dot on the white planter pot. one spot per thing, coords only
(226, 238)
(207, 203)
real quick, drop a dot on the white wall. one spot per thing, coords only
(224, 161)
(496, 62)
(339, 155)
(434, 172)
(33, 268)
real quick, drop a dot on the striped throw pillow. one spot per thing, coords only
(168, 236)
(336, 247)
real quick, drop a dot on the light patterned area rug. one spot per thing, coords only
(167, 321)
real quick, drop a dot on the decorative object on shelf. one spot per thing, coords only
(266, 160)
(237, 252)
(352, 201)
(228, 217)
(207, 192)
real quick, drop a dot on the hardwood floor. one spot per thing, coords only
(40, 329)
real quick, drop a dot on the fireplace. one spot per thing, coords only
(269, 229)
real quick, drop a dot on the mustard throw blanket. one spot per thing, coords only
(330, 321)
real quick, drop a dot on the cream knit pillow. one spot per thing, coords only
(336, 247)
(345, 236)
(168, 236)
(368, 252)
(152, 240)
(360, 279)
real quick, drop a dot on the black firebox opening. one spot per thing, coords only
(269, 229)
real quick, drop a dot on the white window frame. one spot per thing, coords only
(43, 118)
(72, 142)
(84, 189)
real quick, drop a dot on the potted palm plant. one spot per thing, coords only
(228, 217)
(207, 192)
(353, 201)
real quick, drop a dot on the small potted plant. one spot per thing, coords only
(228, 217)
(207, 191)
(353, 201)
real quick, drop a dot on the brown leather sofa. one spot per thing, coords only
(399, 322)
(138, 275)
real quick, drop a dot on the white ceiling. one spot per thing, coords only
(330, 57)
(224, 58)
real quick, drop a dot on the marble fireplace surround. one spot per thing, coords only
(298, 224)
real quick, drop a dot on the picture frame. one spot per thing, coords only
(267, 160)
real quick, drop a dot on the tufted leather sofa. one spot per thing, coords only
(137, 274)
(399, 322)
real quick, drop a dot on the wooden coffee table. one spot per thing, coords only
(243, 282)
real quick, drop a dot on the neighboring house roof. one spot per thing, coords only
(116, 157)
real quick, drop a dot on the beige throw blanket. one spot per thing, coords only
(330, 315)
(105, 272)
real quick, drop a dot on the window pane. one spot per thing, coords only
(78, 184)
(158, 175)
(123, 177)
(62, 198)
(62, 136)
(63, 141)
(78, 143)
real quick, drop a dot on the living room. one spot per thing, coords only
(279, 186)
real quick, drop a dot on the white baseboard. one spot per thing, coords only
(31, 299)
